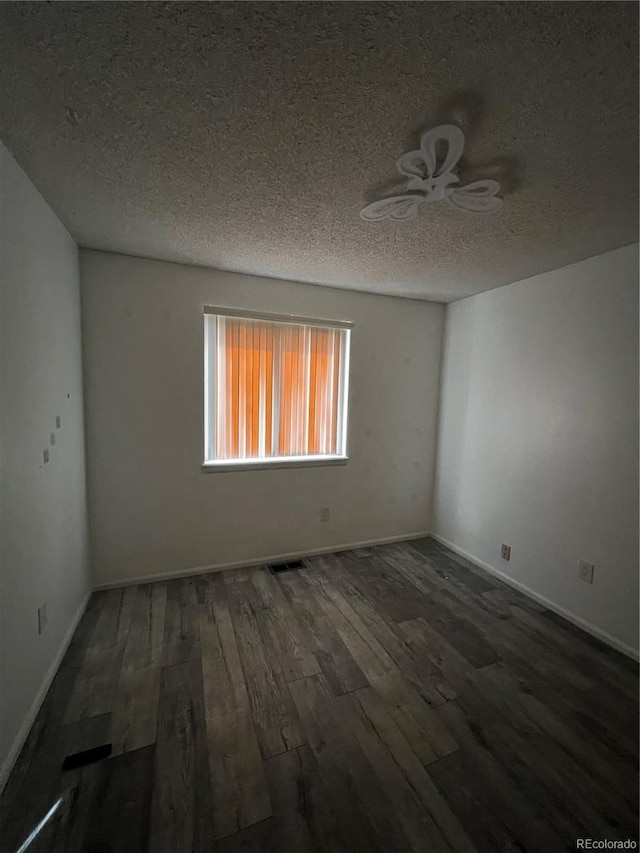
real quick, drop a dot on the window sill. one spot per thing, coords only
(276, 462)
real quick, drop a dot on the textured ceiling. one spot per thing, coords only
(247, 136)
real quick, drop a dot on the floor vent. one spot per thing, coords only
(276, 568)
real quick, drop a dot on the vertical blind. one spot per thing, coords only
(277, 389)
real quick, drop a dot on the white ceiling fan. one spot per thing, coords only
(432, 179)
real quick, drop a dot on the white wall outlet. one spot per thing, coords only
(505, 552)
(42, 618)
(325, 513)
(585, 571)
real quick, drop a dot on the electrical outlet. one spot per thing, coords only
(45, 455)
(505, 552)
(325, 513)
(58, 422)
(585, 571)
(42, 618)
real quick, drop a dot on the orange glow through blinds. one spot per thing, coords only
(277, 389)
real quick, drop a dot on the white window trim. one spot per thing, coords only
(273, 462)
(277, 318)
(253, 464)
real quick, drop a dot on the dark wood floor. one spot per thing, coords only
(387, 699)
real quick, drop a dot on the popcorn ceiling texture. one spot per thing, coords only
(248, 136)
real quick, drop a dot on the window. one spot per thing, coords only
(275, 389)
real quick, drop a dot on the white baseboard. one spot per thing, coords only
(607, 638)
(260, 561)
(20, 738)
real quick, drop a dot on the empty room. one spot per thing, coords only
(319, 389)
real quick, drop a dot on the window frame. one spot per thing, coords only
(314, 460)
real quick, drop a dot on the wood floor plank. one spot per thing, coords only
(135, 714)
(578, 648)
(416, 822)
(338, 666)
(388, 590)
(77, 786)
(464, 637)
(326, 831)
(467, 788)
(621, 663)
(427, 679)
(280, 623)
(541, 768)
(274, 714)
(539, 825)
(409, 563)
(68, 833)
(360, 804)
(235, 575)
(506, 638)
(584, 748)
(260, 838)
(452, 567)
(181, 641)
(120, 812)
(404, 756)
(513, 731)
(362, 552)
(429, 738)
(460, 633)
(603, 713)
(502, 598)
(303, 818)
(286, 781)
(135, 708)
(215, 590)
(94, 689)
(181, 814)
(427, 643)
(239, 788)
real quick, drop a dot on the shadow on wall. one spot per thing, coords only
(447, 481)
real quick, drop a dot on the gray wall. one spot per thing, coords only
(43, 532)
(154, 511)
(539, 437)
